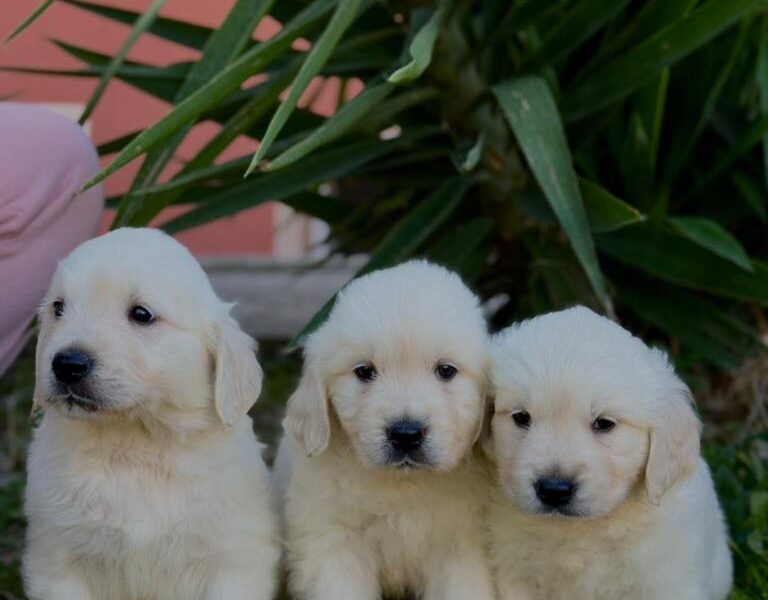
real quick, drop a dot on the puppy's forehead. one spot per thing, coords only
(565, 394)
(395, 342)
(574, 358)
(415, 309)
(133, 261)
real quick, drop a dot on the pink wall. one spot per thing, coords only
(123, 109)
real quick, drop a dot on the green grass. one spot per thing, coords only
(739, 466)
(12, 524)
(741, 475)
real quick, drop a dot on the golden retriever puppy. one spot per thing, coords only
(380, 491)
(602, 494)
(145, 479)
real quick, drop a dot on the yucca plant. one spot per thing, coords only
(607, 152)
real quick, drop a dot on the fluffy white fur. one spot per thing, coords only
(358, 526)
(645, 522)
(146, 481)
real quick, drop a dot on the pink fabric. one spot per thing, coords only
(44, 159)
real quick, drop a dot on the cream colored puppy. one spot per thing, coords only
(602, 494)
(145, 479)
(380, 493)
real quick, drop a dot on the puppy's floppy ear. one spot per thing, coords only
(238, 373)
(306, 417)
(675, 440)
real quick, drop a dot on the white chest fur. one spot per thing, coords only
(135, 517)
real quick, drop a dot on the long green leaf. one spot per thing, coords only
(456, 251)
(710, 235)
(421, 49)
(220, 113)
(605, 211)
(556, 278)
(313, 170)
(467, 159)
(243, 122)
(531, 112)
(33, 16)
(175, 71)
(164, 82)
(154, 84)
(525, 14)
(404, 239)
(679, 154)
(419, 224)
(719, 337)
(635, 161)
(579, 24)
(161, 82)
(181, 32)
(390, 108)
(762, 85)
(748, 140)
(253, 61)
(229, 172)
(226, 43)
(641, 63)
(533, 13)
(673, 258)
(753, 193)
(335, 126)
(326, 208)
(141, 25)
(207, 175)
(116, 144)
(345, 13)
(654, 15)
(88, 72)
(651, 101)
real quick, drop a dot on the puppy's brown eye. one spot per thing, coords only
(58, 308)
(446, 372)
(140, 314)
(602, 425)
(522, 419)
(365, 372)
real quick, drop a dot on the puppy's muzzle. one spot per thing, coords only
(73, 370)
(71, 366)
(406, 441)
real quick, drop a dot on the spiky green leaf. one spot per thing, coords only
(345, 14)
(532, 113)
(421, 49)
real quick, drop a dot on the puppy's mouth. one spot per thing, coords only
(576, 508)
(77, 399)
(573, 512)
(408, 464)
(407, 461)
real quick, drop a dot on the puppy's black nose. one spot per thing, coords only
(71, 366)
(406, 436)
(555, 492)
